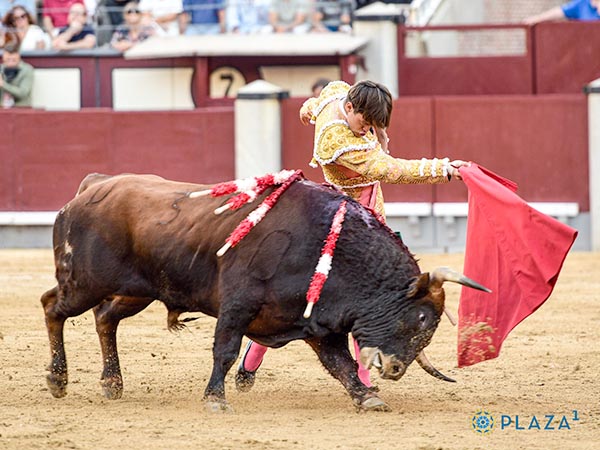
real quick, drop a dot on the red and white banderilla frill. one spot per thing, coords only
(324, 264)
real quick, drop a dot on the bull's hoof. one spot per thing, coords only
(374, 404)
(215, 405)
(244, 380)
(112, 388)
(57, 384)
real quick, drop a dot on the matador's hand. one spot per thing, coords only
(305, 117)
(455, 165)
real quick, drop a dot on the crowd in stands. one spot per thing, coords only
(120, 24)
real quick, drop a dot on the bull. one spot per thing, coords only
(126, 240)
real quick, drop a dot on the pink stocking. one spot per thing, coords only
(254, 356)
(363, 372)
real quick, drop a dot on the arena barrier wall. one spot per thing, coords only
(548, 58)
(540, 142)
(45, 155)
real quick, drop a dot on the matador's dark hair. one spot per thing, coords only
(372, 100)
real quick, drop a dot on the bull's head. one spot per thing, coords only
(425, 304)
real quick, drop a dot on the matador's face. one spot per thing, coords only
(357, 123)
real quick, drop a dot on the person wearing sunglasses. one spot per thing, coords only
(7, 5)
(32, 37)
(132, 30)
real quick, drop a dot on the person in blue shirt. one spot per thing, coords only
(78, 34)
(573, 10)
(248, 17)
(202, 17)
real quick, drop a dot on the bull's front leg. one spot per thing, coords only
(333, 352)
(226, 348)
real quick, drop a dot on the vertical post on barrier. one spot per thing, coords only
(593, 92)
(258, 129)
(379, 22)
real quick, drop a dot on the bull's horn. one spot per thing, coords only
(441, 274)
(427, 367)
(450, 316)
(368, 357)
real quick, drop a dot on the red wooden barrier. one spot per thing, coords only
(46, 154)
(458, 75)
(540, 142)
(566, 56)
(560, 57)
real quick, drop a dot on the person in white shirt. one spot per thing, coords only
(21, 22)
(165, 13)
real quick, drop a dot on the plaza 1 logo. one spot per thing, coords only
(483, 422)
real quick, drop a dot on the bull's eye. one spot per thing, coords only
(422, 319)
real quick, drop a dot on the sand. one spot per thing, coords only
(548, 367)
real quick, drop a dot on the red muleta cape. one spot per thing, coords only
(514, 250)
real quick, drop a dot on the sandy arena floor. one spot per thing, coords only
(548, 366)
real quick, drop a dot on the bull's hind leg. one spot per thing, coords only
(108, 314)
(57, 309)
(335, 356)
(57, 379)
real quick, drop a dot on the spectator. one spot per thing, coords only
(7, 5)
(332, 15)
(56, 14)
(16, 78)
(248, 16)
(90, 7)
(23, 24)
(202, 17)
(164, 12)
(114, 10)
(574, 10)
(318, 86)
(289, 16)
(78, 34)
(132, 31)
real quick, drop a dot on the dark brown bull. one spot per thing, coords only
(124, 241)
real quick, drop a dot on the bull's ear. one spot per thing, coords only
(419, 286)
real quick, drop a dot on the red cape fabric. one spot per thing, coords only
(512, 249)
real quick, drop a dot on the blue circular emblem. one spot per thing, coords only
(482, 422)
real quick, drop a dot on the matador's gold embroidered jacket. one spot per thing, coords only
(356, 164)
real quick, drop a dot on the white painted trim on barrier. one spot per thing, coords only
(554, 209)
(27, 218)
(450, 209)
(558, 209)
(408, 209)
(392, 209)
